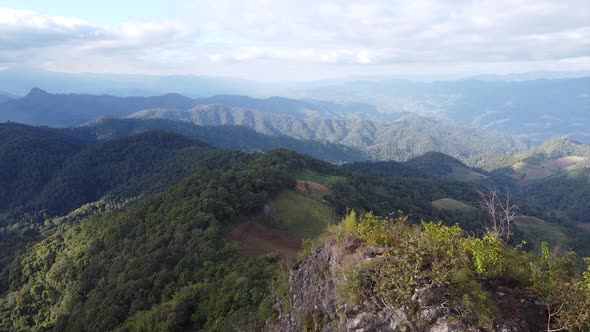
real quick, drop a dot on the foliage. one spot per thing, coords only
(564, 294)
(435, 255)
(487, 254)
(161, 262)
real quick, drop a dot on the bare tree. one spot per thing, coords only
(502, 212)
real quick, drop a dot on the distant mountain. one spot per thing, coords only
(431, 165)
(533, 75)
(400, 140)
(557, 147)
(223, 137)
(302, 109)
(537, 109)
(529, 104)
(41, 108)
(19, 81)
(6, 97)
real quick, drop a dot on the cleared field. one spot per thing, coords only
(255, 239)
(536, 231)
(450, 204)
(465, 175)
(311, 176)
(301, 215)
(545, 168)
(312, 189)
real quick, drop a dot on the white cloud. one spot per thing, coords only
(239, 37)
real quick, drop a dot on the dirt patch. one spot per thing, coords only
(256, 239)
(584, 226)
(545, 168)
(308, 187)
(561, 163)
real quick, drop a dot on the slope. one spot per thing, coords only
(400, 140)
(431, 165)
(29, 158)
(223, 137)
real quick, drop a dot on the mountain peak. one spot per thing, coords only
(36, 92)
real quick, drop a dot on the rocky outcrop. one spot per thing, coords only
(316, 305)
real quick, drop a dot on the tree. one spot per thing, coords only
(502, 212)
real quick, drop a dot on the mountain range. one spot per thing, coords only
(399, 140)
(321, 121)
(537, 109)
(529, 106)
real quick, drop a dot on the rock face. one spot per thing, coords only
(317, 307)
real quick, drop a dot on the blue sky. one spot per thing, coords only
(297, 39)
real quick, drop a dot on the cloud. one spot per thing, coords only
(265, 37)
(22, 30)
(394, 32)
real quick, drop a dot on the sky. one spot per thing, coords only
(296, 40)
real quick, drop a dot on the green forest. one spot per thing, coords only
(131, 234)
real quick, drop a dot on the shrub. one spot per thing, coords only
(487, 254)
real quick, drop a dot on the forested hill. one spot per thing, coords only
(29, 158)
(405, 138)
(164, 260)
(223, 137)
(44, 171)
(431, 165)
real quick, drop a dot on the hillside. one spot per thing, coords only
(29, 158)
(431, 165)
(400, 140)
(45, 171)
(155, 231)
(551, 180)
(386, 274)
(223, 137)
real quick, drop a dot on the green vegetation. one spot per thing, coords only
(301, 215)
(403, 139)
(563, 195)
(222, 137)
(326, 180)
(29, 158)
(161, 264)
(450, 204)
(439, 256)
(129, 233)
(431, 165)
(535, 231)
